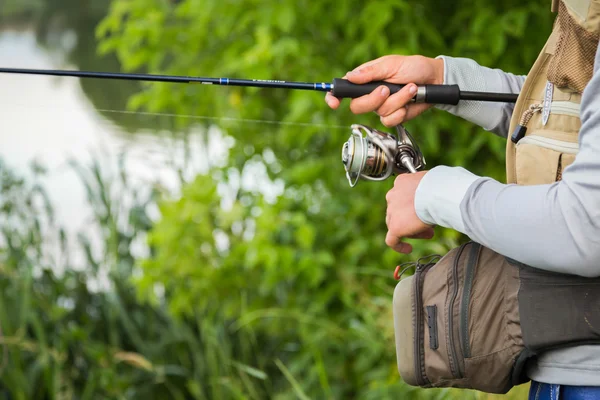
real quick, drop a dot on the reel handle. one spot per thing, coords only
(432, 94)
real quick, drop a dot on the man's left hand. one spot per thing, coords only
(401, 218)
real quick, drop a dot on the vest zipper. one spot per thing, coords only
(552, 144)
(565, 108)
(420, 272)
(455, 366)
(521, 128)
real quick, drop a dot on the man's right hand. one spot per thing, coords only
(394, 109)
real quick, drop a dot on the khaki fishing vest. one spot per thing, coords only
(544, 129)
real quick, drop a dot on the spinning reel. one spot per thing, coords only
(374, 155)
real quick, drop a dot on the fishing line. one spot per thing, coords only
(205, 117)
(231, 119)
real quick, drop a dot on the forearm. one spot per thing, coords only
(470, 76)
(544, 226)
(553, 227)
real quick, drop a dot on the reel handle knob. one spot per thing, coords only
(406, 160)
(432, 94)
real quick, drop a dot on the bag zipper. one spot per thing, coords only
(553, 144)
(455, 366)
(466, 298)
(420, 272)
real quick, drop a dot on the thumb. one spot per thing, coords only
(376, 70)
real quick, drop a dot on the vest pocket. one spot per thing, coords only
(573, 62)
(541, 159)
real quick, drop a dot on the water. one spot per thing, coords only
(53, 120)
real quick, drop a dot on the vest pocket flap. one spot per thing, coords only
(536, 165)
(541, 160)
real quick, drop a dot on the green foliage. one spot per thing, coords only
(309, 273)
(62, 338)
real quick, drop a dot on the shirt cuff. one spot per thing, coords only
(439, 194)
(469, 76)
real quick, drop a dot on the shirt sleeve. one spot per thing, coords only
(470, 76)
(555, 227)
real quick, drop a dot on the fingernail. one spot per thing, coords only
(328, 101)
(354, 72)
(385, 91)
(412, 89)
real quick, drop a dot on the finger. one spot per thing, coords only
(396, 118)
(396, 244)
(426, 234)
(377, 71)
(332, 101)
(403, 248)
(397, 100)
(370, 102)
(404, 114)
(415, 110)
(371, 62)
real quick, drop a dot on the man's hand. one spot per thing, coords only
(394, 109)
(401, 218)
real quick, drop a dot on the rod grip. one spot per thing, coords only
(434, 94)
(442, 94)
(344, 88)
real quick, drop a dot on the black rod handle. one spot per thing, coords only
(343, 88)
(442, 94)
(432, 94)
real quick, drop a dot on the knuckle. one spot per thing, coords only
(388, 196)
(398, 116)
(402, 113)
(382, 110)
(387, 121)
(389, 240)
(355, 107)
(390, 106)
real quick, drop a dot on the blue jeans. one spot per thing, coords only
(546, 391)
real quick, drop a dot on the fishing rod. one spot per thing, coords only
(341, 88)
(368, 154)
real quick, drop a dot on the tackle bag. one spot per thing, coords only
(473, 319)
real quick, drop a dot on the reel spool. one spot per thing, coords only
(374, 155)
